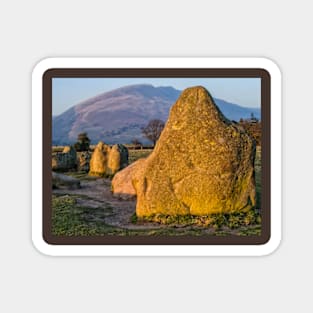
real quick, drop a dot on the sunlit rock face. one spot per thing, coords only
(122, 186)
(202, 163)
(106, 160)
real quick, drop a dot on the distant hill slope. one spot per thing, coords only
(118, 115)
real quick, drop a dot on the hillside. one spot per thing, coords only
(118, 115)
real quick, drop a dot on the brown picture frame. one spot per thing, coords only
(265, 77)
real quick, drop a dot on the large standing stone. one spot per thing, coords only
(65, 160)
(202, 163)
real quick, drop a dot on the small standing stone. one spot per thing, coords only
(108, 161)
(99, 160)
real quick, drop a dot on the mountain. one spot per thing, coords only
(118, 115)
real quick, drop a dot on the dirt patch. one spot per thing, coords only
(96, 194)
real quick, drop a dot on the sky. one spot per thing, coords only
(67, 92)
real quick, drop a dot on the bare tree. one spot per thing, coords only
(153, 130)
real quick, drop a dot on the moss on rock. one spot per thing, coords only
(202, 163)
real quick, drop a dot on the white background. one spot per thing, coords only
(32, 30)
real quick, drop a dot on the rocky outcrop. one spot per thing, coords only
(202, 163)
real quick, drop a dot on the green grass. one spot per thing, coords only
(217, 221)
(134, 155)
(81, 175)
(70, 219)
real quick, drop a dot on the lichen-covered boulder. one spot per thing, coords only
(122, 186)
(65, 160)
(99, 160)
(202, 163)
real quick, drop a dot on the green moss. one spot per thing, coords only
(134, 218)
(217, 221)
(250, 231)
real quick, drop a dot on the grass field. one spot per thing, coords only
(134, 155)
(71, 219)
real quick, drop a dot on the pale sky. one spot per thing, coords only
(67, 92)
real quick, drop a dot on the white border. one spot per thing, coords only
(156, 250)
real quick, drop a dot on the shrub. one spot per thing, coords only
(83, 142)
